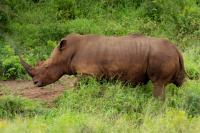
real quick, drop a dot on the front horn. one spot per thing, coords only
(27, 67)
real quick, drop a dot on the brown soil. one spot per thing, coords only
(27, 89)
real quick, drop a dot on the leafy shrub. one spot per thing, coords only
(192, 101)
(12, 68)
(65, 9)
(192, 63)
(183, 14)
(186, 98)
(153, 10)
(3, 21)
(15, 4)
(9, 63)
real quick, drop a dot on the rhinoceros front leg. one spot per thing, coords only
(159, 90)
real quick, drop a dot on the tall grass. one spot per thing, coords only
(110, 107)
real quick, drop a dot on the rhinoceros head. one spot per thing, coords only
(49, 71)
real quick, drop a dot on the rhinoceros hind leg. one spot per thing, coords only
(159, 90)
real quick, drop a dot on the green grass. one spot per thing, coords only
(10, 106)
(107, 107)
(170, 121)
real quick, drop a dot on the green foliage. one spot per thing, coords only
(109, 107)
(192, 62)
(106, 97)
(10, 68)
(115, 98)
(172, 121)
(192, 99)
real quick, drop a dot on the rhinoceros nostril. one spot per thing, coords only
(35, 82)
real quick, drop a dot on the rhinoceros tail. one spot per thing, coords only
(180, 75)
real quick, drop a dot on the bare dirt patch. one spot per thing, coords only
(27, 89)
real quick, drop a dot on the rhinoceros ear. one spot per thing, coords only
(62, 45)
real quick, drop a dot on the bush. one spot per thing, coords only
(10, 68)
(192, 64)
(192, 100)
